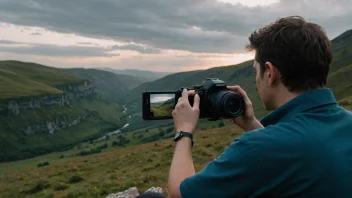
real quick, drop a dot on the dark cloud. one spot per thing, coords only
(53, 50)
(193, 25)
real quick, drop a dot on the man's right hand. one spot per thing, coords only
(247, 121)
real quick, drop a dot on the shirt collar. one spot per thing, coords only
(305, 101)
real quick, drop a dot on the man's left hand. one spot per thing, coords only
(185, 116)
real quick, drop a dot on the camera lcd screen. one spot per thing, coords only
(162, 104)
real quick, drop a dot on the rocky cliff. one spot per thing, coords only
(52, 126)
(70, 93)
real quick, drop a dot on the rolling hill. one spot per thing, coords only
(30, 79)
(44, 109)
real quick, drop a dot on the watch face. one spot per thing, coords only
(177, 135)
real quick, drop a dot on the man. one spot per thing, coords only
(302, 149)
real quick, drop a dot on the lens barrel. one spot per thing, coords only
(227, 104)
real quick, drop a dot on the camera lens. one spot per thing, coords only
(227, 104)
(233, 105)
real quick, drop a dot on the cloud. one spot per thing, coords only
(141, 49)
(85, 43)
(7, 42)
(36, 34)
(193, 25)
(53, 50)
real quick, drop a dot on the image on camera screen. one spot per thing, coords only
(162, 104)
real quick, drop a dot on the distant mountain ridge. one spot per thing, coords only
(144, 75)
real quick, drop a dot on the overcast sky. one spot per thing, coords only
(158, 35)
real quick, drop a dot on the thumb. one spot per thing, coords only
(196, 102)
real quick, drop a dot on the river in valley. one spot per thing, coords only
(116, 131)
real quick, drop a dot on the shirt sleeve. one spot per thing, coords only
(235, 173)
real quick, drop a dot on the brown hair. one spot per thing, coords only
(301, 51)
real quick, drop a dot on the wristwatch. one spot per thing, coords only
(182, 134)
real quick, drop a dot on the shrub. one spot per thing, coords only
(114, 143)
(43, 164)
(208, 145)
(161, 133)
(75, 179)
(39, 186)
(60, 186)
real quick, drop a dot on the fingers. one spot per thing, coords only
(196, 102)
(191, 92)
(239, 90)
(185, 95)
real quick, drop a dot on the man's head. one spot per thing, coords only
(291, 55)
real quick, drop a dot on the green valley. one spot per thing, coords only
(44, 109)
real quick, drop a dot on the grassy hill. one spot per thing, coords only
(162, 110)
(342, 48)
(111, 171)
(20, 79)
(36, 131)
(107, 84)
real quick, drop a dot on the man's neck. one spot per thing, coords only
(284, 96)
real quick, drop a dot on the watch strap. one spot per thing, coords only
(184, 134)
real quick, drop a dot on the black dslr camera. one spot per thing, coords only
(216, 102)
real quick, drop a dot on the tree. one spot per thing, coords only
(114, 143)
(161, 133)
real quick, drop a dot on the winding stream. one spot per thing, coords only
(116, 131)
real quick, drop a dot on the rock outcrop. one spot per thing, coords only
(133, 192)
(52, 126)
(71, 92)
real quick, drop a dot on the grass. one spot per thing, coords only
(162, 110)
(22, 87)
(18, 79)
(111, 171)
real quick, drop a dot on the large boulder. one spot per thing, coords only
(133, 192)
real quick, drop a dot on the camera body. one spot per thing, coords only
(216, 100)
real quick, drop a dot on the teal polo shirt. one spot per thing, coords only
(305, 150)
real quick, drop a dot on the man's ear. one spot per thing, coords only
(271, 72)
